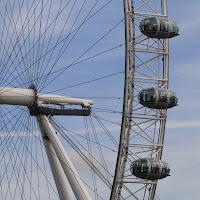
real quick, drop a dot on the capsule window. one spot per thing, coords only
(136, 167)
(167, 169)
(173, 98)
(149, 24)
(144, 167)
(155, 168)
(154, 24)
(142, 23)
(164, 168)
(164, 26)
(147, 96)
(152, 95)
(139, 166)
(174, 28)
(163, 96)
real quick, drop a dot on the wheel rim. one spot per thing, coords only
(63, 61)
(28, 60)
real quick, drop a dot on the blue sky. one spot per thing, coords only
(183, 122)
(182, 148)
(182, 138)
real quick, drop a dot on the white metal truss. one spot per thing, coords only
(75, 181)
(143, 129)
(59, 160)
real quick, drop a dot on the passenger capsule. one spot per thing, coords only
(149, 168)
(158, 98)
(159, 27)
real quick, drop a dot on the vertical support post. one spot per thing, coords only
(77, 186)
(62, 185)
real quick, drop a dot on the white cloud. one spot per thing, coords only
(98, 129)
(189, 68)
(184, 160)
(183, 123)
(19, 134)
(191, 24)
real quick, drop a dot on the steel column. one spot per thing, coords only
(127, 105)
(76, 183)
(62, 185)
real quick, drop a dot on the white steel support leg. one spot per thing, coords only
(62, 185)
(77, 186)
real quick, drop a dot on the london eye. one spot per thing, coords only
(75, 123)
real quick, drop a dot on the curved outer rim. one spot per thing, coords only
(128, 10)
(128, 100)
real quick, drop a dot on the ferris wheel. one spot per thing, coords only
(58, 147)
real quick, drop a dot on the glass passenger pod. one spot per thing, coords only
(158, 98)
(149, 168)
(159, 27)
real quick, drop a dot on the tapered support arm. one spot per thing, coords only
(62, 184)
(76, 183)
(27, 97)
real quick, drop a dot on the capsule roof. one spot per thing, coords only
(159, 27)
(158, 98)
(149, 168)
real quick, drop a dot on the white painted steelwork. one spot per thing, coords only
(60, 100)
(27, 97)
(76, 183)
(143, 129)
(59, 161)
(138, 122)
(60, 179)
(17, 96)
